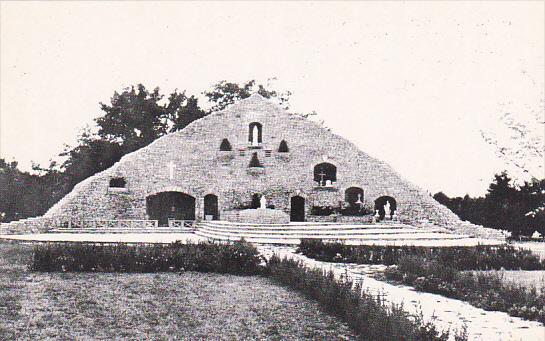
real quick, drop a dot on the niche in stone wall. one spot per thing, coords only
(283, 148)
(254, 162)
(353, 202)
(225, 146)
(255, 134)
(117, 184)
(325, 174)
(385, 207)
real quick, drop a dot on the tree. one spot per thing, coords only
(23, 194)
(92, 155)
(136, 117)
(518, 209)
(225, 93)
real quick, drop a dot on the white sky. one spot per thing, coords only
(412, 83)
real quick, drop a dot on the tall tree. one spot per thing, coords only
(135, 117)
(225, 93)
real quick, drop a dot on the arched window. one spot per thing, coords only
(254, 162)
(255, 134)
(225, 145)
(283, 148)
(118, 183)
(325, 174)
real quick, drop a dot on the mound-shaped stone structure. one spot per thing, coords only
(227, 161)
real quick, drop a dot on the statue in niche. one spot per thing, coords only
(387, 210)
(255, 137)
(263, 202)
(359, 203)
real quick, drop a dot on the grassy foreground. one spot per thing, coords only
(37, 306)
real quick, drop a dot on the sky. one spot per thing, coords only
(414, 84)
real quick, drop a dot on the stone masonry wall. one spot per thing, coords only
(200, 169)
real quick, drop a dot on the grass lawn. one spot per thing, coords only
(191, 305)
(522, 277)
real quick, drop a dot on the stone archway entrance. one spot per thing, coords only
(297, 212)
(170, 205)
(211, 209)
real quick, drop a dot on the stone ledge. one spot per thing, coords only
(255, 170)
(118, 190)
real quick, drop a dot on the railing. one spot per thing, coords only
(89, 224)
(181, 223)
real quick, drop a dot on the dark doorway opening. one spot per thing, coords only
(170, 205)
(297, 212)
(211, 207)
(255, 201)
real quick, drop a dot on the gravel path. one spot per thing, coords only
(447, 313)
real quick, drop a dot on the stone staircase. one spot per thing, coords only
(292, 233)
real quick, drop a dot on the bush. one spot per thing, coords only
(365, 314)
(483, 290)
(480, 257)
(236, 258)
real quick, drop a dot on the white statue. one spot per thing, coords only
(263, 202)
(359, 202)
(536, 235)
(255, 137)
(387, 211)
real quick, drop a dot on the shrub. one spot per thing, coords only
(483, 290)
(365, 314)
(235, 258)
(439, 271)
(480, 257)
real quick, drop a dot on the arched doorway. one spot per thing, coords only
(384, 204)
(297, 212)
(211, 207)
(170, 205)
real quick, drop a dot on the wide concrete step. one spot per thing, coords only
(124, 230)
(295, 226)
(400, 236)
(321, 232)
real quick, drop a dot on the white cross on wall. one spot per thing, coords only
(171, 167)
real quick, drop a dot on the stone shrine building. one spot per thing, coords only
(231, 163)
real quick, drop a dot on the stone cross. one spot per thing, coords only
(171, 167)
(322, 174)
